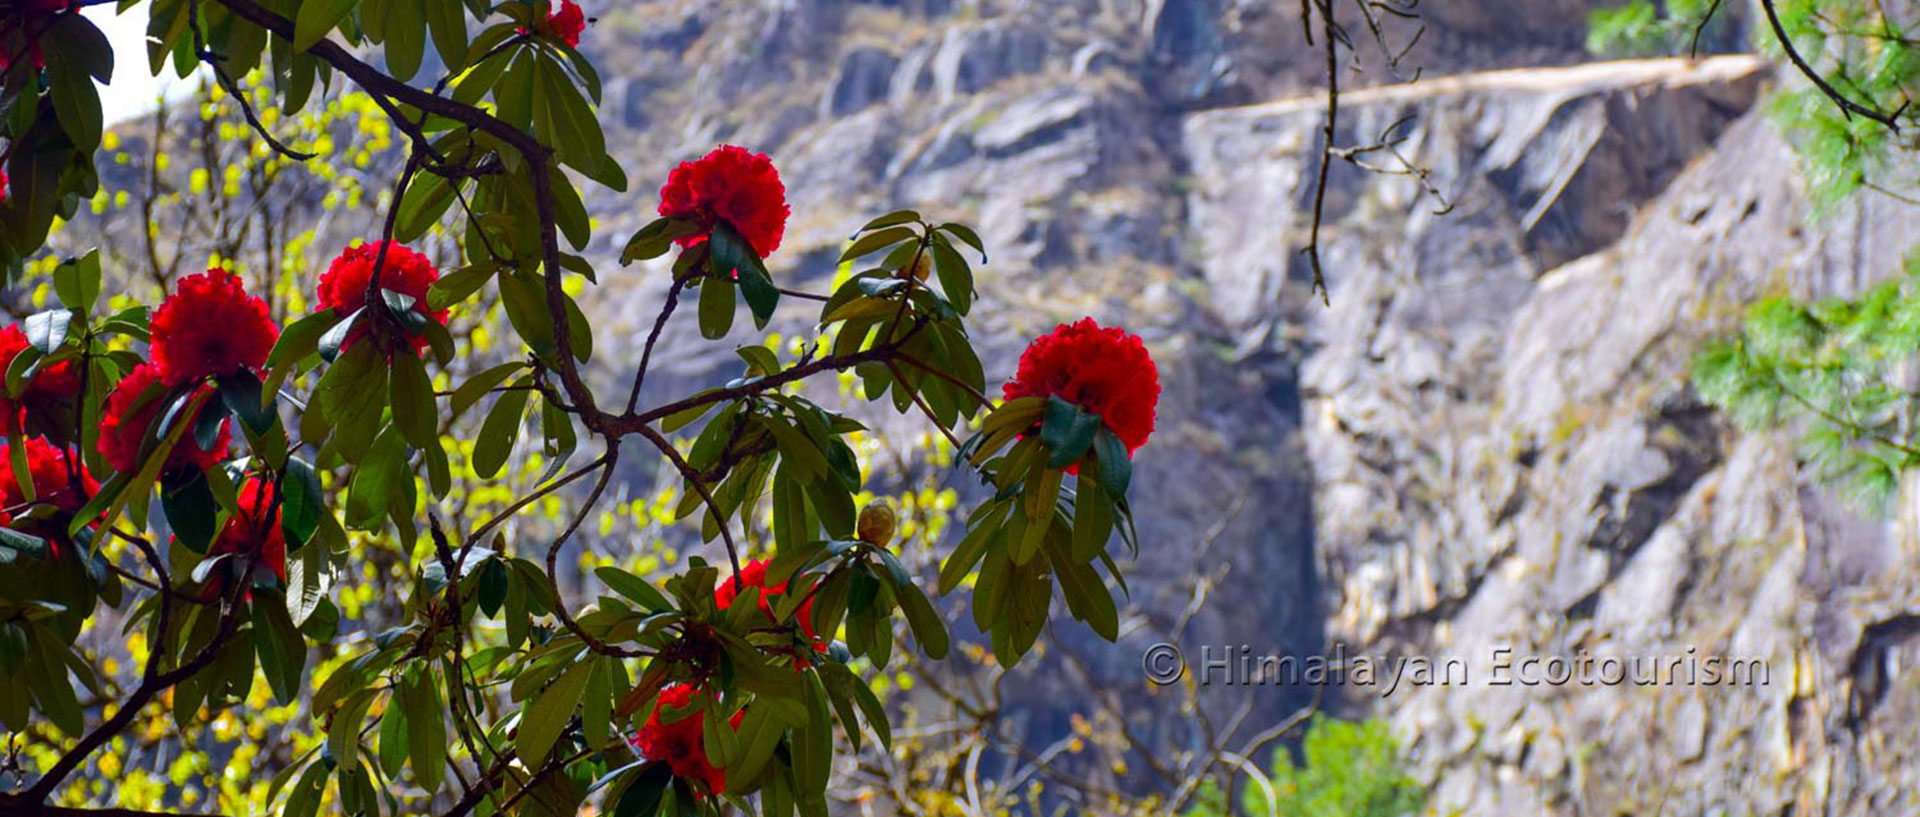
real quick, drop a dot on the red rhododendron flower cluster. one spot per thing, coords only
(127, 418)
(343, 287)
(1104, 371)
(51, 481)
(210, 326)
(251, 531)
(754, 574)
(567, 24)
(729, 185)
(50, 385)
(681, 743)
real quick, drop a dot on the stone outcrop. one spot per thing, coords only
(1487, 440)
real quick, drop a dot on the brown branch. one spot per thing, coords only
(553, 567)
(693, 480)
(151, 684)
(385, 91)
(646, 355)
(1847, 106)
(39, 810)
(1330, 48)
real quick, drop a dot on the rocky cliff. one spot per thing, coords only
(1486, 441)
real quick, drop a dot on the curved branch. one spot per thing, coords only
(1848, 107)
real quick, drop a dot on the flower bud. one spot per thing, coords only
(876, 524)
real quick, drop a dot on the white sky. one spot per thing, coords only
(133, 90)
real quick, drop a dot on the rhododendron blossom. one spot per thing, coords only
(255, 529)
(567, 24)
(343, 288)
(210, 327)
(1105, 371)
(681, 743)
(731, 185)
(52, 481)
(127, 419)
(47, 388)
(754, 574)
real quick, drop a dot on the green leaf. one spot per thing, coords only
(242, 393)
(190, 509)
(890, 219)
(460, 285)
(759, 734)
(354, 390)
(653, 240)
(427, 198)
(580, 141)
(393, 731)
(316, 18)
(77, 281)
(343, 735)
(426, 729)
(874, 242)
(642, 798)
(380, 482)
(1092, 516)
(716, 308)
(928, 629)
(413, 409)
(303, 800)
(282, 650)
(634, 587)
(1067, 432)
(965, 233)
(447, 19)
(542, 722)
(956, 278)
(479, 385)
(302, 502)
(47, 331)
(406, 37)
(498, 433)
(596, 710)
(307, 582)
(1116, 468)
(302, 338)
(813, 748)
(75, 99)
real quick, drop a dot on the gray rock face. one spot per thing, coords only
(1485, 442)
(1506, 457)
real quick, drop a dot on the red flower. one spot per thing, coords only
(1106, 372)
(51, 385)
(680, 743)
(6, 185)
(754, 574)
(251, 532)
(47, 465)
(127, 418)
(210, 326)
(729, 185)
(566, 24)
(344, 286)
